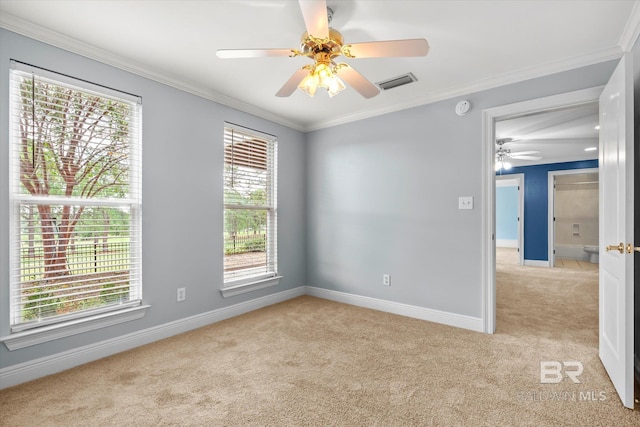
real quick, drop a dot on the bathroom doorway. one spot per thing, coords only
(573, 218)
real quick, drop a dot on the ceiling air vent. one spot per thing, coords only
(397, 81)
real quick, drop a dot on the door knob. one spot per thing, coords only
(619, 248)
(631, 248)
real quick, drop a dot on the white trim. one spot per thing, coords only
(506, 180)
(551, 223)
(631, 30)
(536, 263)
(506, 243)
(243, 288)
(578, 97)
(488, 231)
(27, 371)
(66, 329)
(76, 201)
(520, 179)
(551, 202)
(64, 320)
(489, 117)
(431, 315)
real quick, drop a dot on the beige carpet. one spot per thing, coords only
(315, 362)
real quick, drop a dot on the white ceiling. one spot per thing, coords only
(475, 45)
(560, 135)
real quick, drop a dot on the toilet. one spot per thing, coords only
(592, 252)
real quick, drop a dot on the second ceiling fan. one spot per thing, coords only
(503, 155)
(323, 45)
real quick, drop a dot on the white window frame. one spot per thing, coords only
(24, 334)
(237, 286)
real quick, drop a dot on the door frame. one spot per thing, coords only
(489, 118)
(551, 225)
(519, 180)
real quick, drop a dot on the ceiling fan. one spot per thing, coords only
(323, 45)
(503, 155)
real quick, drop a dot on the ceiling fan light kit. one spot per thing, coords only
(323, 45)
(501, 164)
(322, 74)
(503, 155)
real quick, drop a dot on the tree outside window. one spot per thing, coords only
(76, 199)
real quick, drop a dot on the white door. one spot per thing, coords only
(616, 229)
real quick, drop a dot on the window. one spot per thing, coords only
(250, 209)
(75, 233)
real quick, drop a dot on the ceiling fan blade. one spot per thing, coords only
(252, 53)
(363, 86)
(501, 141)
(389, 48)
(292, 84)
(314, 13)
(524, 153)
(526, 157)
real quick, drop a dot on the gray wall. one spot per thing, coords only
(383, 198)
(356, 201)
(182, 163)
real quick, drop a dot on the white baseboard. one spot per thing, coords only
(571, 252)
(27, 371)
(451, 319)
(536, 263)
(504, 243)
(30, 370)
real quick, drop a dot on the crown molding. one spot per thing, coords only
(53, 38)
(26, 28)
(631, 30)
(481, 85)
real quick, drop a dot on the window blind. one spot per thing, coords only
(250, 205)
(75, 194)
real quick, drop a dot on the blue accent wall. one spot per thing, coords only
(536, 204)
(507, 213)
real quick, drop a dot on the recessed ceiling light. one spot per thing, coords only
(597, 127)
(591, 149)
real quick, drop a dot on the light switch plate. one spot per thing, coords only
(465, 202)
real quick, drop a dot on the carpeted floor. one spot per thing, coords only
(309, 361)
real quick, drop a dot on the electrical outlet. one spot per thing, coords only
(181, 294)
(386, 279)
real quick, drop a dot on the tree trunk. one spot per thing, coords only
(55, 254)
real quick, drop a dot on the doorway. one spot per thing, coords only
(573, 217)
(616, 216)
(510, 217)
(490, 117)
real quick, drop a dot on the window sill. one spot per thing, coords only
(243, 288)
(73, 327)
